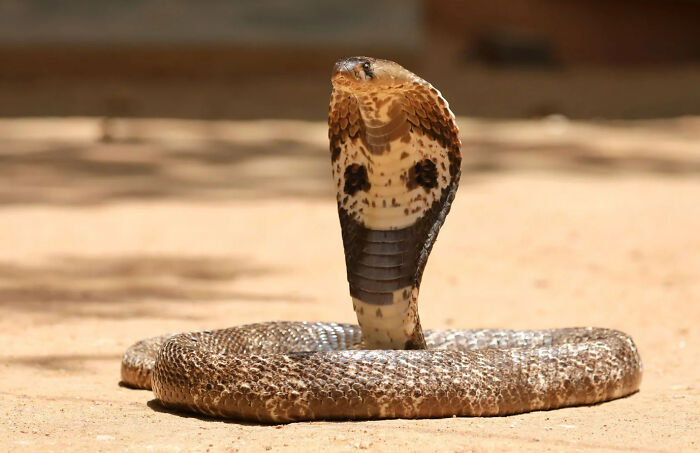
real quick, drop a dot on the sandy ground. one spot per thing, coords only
(171, 226)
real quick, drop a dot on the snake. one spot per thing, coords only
(396, 159)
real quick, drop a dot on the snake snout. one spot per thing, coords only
(352, 69)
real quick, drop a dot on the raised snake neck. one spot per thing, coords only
(396, 159)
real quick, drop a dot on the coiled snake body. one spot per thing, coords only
(395, 154)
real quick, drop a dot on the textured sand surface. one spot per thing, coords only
(174, 226)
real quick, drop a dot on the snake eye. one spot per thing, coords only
(367, 68)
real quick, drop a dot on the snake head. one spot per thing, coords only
(367, 73)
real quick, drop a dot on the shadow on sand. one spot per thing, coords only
(212, 168)
(125, 286)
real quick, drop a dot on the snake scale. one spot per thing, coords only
(395, 154)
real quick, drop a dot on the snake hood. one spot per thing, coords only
(395, 153)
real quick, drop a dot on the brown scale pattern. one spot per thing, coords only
(428, 115)
(292, 371)
(344, 123)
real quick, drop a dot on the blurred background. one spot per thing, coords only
(272, 58)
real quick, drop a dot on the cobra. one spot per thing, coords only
(395, 155)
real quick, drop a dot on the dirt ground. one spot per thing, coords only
(112, 231)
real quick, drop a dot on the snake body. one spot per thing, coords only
(395, 155)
